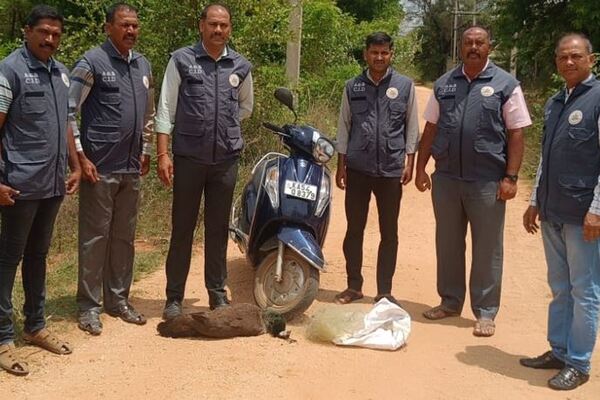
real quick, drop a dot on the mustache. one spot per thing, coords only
(47, 46)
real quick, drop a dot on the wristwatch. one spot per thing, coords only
(512, 178)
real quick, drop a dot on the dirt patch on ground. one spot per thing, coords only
(443, 360)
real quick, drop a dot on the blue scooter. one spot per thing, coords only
(281, 219)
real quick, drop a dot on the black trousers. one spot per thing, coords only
(388, 192)
(191, 181)
(26, 233)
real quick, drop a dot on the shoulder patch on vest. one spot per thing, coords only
(146, 82)
(391, 93)
(575, 117)
(65, 79)
(234, 80)
(487, 91)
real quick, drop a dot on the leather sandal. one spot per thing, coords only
(10, 362)
(128, 314)
(440, 312)
(348, 296)
(47, 341)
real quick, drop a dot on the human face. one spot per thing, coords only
(378, 58)
(123, 31)
(475, 47)
(215, 28)
(573, 61)
(43, 38)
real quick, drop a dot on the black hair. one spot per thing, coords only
(112, 10)
(483, 28)
(379, 38)
(204, 12)
(578, 35)
(43, 11)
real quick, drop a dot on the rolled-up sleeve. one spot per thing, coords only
(167, 102)
(344, 121)
(82, 80)
(515, 112)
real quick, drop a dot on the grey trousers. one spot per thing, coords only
(458, 203)
(107, 221)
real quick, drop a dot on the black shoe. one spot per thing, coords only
(545, 361)
(172, 309)
(568, 379)
(219, 303)
(89, 321)
(128, 314)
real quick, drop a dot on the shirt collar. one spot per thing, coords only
(487, 63)
(224, 53)
(129, 53)
(34, 62)
(389, 71)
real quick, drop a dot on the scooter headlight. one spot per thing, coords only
(323, 149)
(271, 185)
(324, 194)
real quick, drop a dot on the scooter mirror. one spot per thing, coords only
(284, 95)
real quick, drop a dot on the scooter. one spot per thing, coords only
(281, 218)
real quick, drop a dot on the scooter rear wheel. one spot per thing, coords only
(296, 291)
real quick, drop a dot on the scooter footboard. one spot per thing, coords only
(304, 243)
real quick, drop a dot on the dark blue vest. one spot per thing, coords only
(570, 155)
(34, 145)
(471, 142)
(207, 123)
(112, 116)
(377, 138)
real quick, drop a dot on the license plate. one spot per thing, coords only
(300, 190)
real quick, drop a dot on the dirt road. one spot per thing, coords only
(442, 360)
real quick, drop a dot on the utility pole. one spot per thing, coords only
(292, 61)
(456, 13)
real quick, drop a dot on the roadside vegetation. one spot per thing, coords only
(332, 39)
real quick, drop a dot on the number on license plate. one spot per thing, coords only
(300, 190)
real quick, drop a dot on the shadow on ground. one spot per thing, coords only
(502, 363)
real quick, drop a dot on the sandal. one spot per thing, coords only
(10, 362)
(89, 321)
(484, 327)
(348, 296)
(440, 312)
(128, 314)
(389, 297)
(47, 341)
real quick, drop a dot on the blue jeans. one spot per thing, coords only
(574, 278)
(25, 234)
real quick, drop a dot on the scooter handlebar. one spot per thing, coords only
(274, 128)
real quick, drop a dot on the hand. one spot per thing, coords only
(165, 170)
(88, 169)
(407, 176)
(340, 178)
(530, 220)
(591, 227)
(72, 183)
(507, 189)
(7, 195)
(422, 181)
(145, 160)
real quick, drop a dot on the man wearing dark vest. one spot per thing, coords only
(378, 134)
(475, 119)
(112, 88)
(566, 197)
(34, 91)
(206, 91)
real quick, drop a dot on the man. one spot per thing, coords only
(566, 197)
(475, 119)
(112, 86)
(33, 125)
(378, 134)
(206, 91)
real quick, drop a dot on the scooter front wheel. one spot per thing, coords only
(294, 293)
